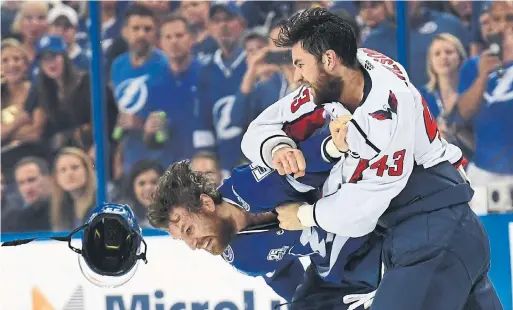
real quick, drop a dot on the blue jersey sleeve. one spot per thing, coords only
(258, 189)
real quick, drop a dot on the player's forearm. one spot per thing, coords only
(348, 220)
(468, 103)
(263, 135)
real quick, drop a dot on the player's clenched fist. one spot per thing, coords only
(287, 215)
(338, 129)
(288, 160)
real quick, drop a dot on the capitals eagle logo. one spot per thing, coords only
(386, 113)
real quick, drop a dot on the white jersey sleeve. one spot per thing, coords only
(288, 120)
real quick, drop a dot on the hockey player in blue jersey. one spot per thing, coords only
(235, 221)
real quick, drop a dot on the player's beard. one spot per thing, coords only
(327, 88)
(225, 231)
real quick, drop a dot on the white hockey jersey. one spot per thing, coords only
(390, 131)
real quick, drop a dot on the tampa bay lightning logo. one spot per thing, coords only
(228, 255)
(500, 89)
(132, 94)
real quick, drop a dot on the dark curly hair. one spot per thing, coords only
(179, 186)
(320, 30)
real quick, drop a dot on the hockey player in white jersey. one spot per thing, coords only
(396, 174)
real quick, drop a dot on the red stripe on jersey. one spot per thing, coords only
(462, 162)
(303, 127)
(358, 172)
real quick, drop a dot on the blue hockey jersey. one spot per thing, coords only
(219, 83)
(267, 251)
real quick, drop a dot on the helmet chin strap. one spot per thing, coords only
(142, 256)
(67, 239)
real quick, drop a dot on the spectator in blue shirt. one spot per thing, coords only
(188, 123)
(486, 99)
(63, 21)
(220, 80)
(197, 14)
(445, 57)
(136, 77)
(425, 24)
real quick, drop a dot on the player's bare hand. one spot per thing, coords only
(338, 129)
(288, 160)
(287, 215)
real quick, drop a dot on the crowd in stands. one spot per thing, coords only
(185, 79)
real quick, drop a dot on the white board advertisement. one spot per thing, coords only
(46, 276)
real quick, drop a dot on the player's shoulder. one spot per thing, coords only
(297, 103)
(381, 67)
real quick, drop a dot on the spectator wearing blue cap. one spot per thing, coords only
(63, 22)
(62, 95)
(220, 80)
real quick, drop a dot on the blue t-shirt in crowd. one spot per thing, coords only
(219, 83)
(138, 92)
(383, 39)
(492, 123)
(189, 123)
